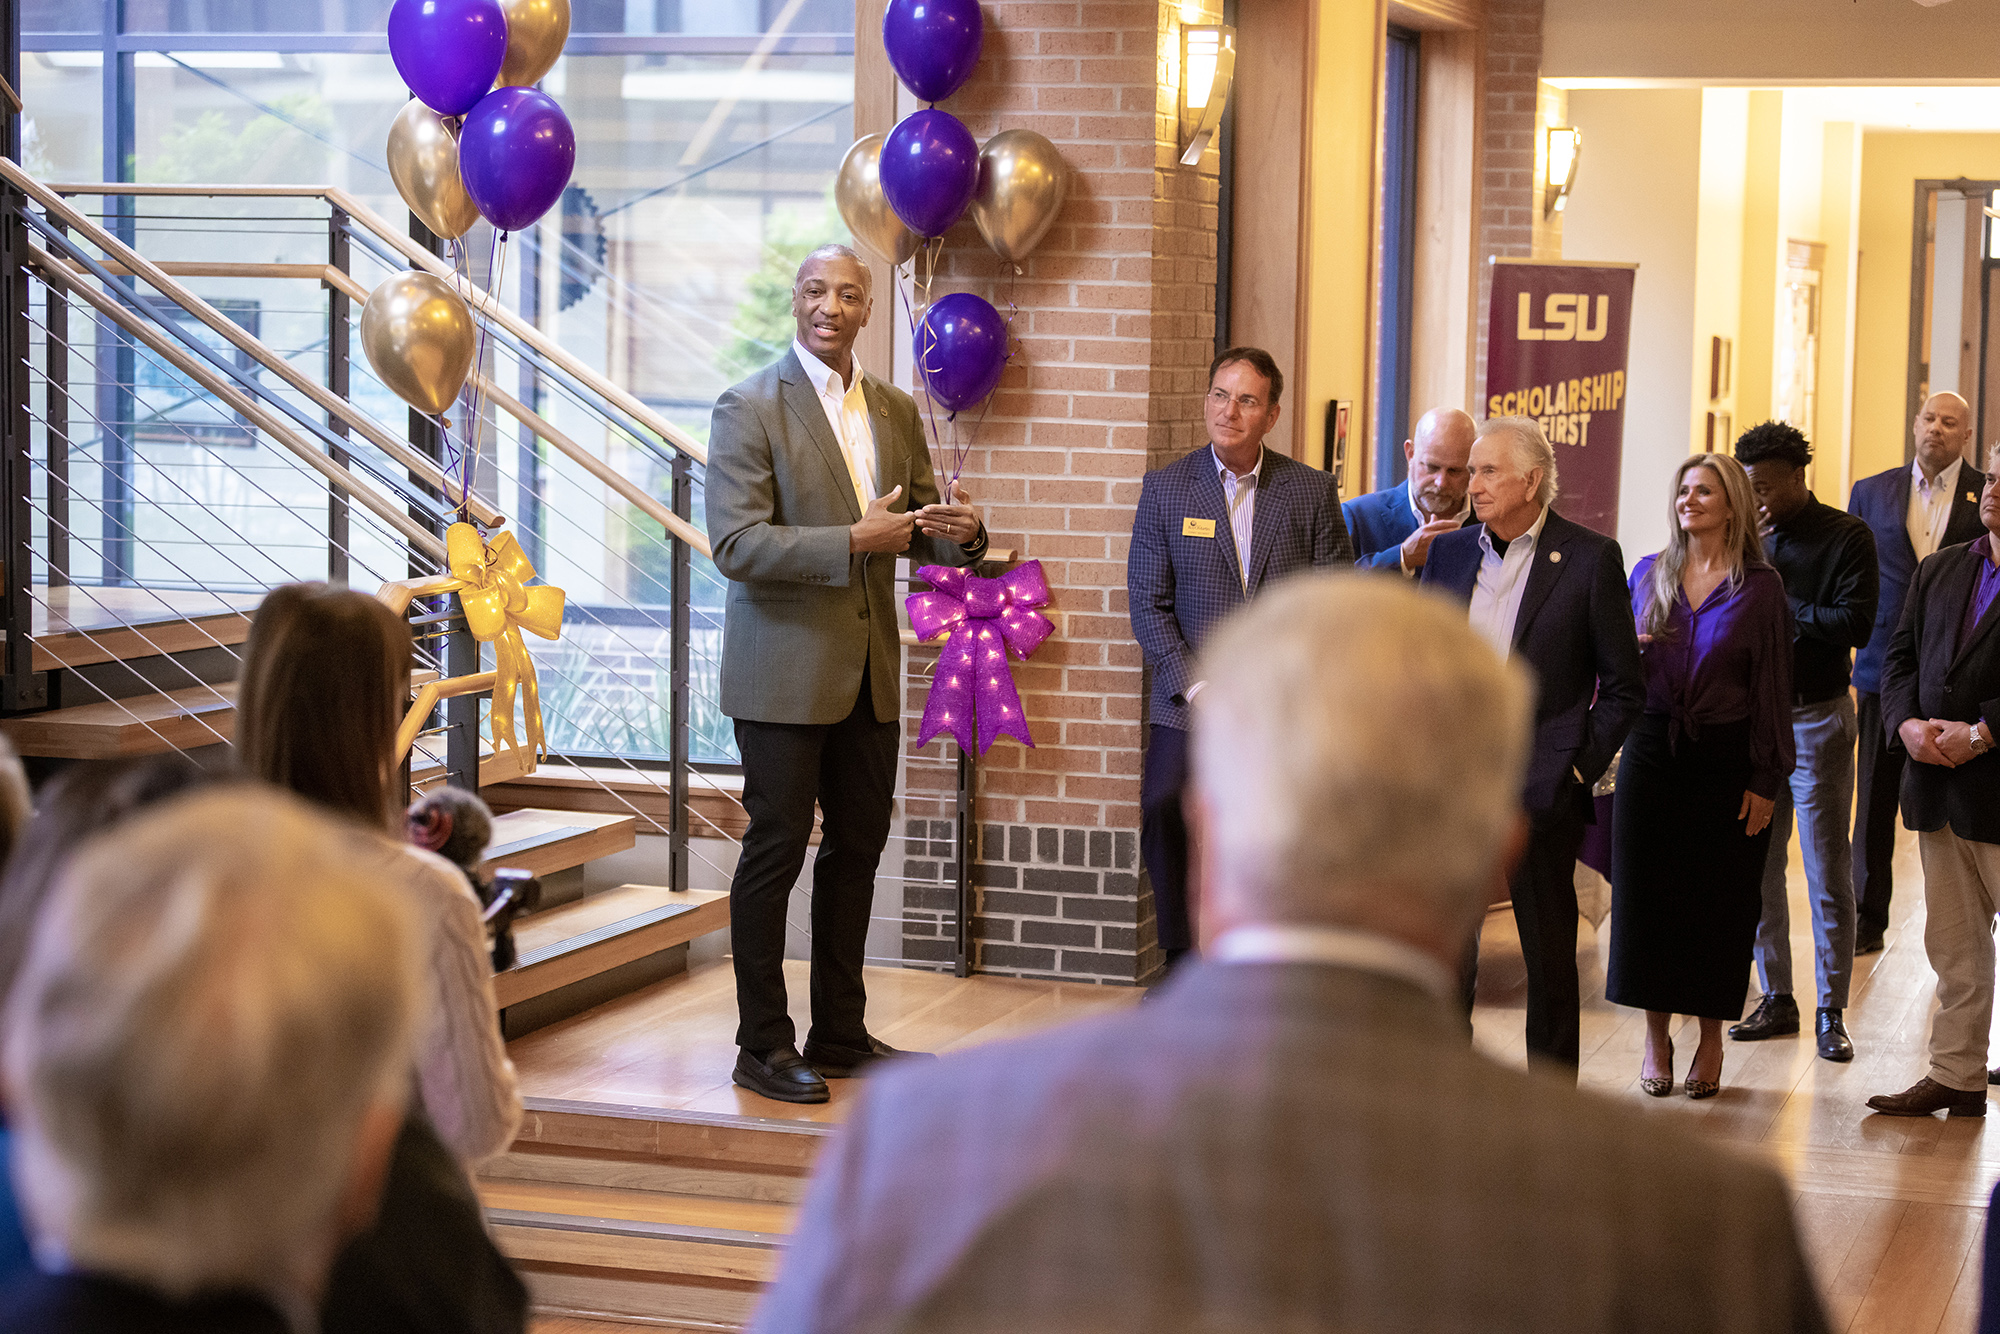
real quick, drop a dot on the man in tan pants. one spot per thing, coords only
(1941, 704)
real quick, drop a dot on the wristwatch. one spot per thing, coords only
(1980, 744)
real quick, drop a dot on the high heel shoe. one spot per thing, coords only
(1660, 1088)
(1698, 1089)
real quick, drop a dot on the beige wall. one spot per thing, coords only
(1635, 200)
(1718, 255)
(1772, 41)
(1891, 164)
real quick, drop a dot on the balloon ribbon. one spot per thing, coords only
(986, 618)
(491, 580)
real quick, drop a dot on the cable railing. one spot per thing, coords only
(190, 428)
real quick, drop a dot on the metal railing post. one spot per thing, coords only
(962, 912)
(23, 687)
(55, 426)
(337, 505)
(681, 718)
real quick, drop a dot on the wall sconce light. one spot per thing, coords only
(1208, 64)
(1565, 147)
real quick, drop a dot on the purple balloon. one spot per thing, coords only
(448, 51)
(933, 44)
(515, 154)
(961, 350)
(930, 170)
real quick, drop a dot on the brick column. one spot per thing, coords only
(1513, 153)
(1116, 325)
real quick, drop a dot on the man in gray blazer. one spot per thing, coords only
(1296, 1137)
(818, 478)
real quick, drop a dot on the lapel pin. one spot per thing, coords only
(1555, 557)
(1971, 497)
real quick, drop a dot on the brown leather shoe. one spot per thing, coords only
(1927, 1096)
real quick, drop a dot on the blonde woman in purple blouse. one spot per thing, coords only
(1700, 771)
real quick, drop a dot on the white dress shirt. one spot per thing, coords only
(846, 409)
(1342, 946)
(1930, 506)
(1496, 596)
(1241, 493)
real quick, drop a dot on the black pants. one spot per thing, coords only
(1163, 835)
(849, 767)
(1543, 888)
(1878, 787)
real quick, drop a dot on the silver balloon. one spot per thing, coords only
(865, 210)
(1023, 181)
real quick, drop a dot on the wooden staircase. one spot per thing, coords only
(665, 1218)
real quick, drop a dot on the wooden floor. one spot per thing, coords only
(1892, 1210)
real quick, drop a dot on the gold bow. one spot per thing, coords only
(491, 580)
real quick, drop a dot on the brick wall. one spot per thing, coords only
(1512, 155)
(1115, 328)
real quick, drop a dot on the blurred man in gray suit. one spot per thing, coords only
(1295, 1137)
(818, 478)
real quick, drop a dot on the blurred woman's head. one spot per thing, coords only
(326, 677)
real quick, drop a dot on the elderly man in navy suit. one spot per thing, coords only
(1213, 530)
(1551, 593)
(1914, 510)
(1393, 528)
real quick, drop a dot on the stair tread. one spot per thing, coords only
(544, 842)
(603, 909)
(636, 1206)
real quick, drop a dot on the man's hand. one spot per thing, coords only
(1920, 738)
(1954, 742)
(1755, 813)
(957, 522)
(879, 530)
(1417, 546)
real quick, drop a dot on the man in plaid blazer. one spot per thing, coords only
(1213, 530)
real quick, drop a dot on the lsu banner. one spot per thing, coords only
(1556, 349)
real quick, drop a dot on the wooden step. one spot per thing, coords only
(141, 725)
(715, 804)
(76, 625)
(543, 842)
(604, 931)
(666, 1217)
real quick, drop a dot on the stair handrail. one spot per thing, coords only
(360, 422)
(421, 258)
(394, 514)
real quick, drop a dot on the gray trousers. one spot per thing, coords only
(1821, 794)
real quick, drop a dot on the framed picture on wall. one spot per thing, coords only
(1720, 352)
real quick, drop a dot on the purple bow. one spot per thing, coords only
(986, 618)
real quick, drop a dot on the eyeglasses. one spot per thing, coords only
(1219, 398)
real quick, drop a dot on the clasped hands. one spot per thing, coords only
(880, 530)
(1935, 741)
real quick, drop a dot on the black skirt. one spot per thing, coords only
(1685, 882)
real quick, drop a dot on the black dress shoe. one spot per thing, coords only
(1927, 1096)
(1866, 944)
(780, 1073)
(1834, 1044)
(1776, 1016)
(837, 1062)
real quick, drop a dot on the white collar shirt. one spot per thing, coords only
(1410, 494)
(1503, 579)
(1343, 947)
(1241, 493)
(846, 409)
(1930, 506)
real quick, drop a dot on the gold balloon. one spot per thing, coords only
(536, 31)
(423, 162)
(865, 210)
(419, 337)
(1022, 184)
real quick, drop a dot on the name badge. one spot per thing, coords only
(1197, 528)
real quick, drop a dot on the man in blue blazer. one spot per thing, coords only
(1213, 530)
(1553, 594)
(1393, 528)
(1914, 510)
